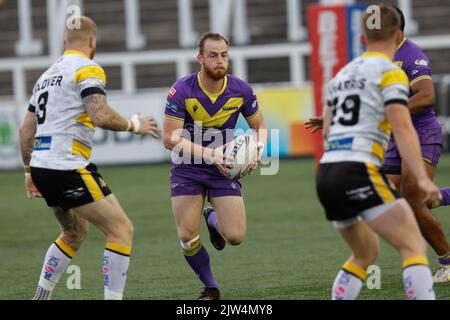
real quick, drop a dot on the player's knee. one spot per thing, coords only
(122, 231)
(127, 228)
(235, 239)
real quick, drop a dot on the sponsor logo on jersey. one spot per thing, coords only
(171, 106)
(421, 62)
(42, 143)
(172, 92)
(228, 108)
(340, 144)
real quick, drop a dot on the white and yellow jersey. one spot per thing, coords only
(357, 95)
(64, 130)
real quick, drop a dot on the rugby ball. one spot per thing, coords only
(240, 153)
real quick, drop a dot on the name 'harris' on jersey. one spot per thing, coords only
(359, 129)
(64, 130)
(189, 102)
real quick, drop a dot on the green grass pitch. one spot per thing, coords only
(290, 252)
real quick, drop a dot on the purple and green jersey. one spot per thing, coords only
(208, 119)
(416, 65)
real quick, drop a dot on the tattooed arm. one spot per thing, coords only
(26, 136)
(102, 115)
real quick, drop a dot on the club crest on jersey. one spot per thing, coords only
(421, 62)
(172, 92)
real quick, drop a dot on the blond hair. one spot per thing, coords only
(80, 29)
(389, 24)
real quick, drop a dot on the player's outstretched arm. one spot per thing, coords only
(103, 116)
(314, 123)
(409, 148)
(26, 138)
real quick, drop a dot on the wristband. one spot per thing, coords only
(134, 124)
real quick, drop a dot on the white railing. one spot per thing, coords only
(128, 61)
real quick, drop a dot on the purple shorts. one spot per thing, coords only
(430, 144)
(202, 180)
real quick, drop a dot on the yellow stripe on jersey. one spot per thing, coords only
(172, 117)
(355, 269)
(378, 150)
(398, 63)
(91, 184)
(80, 148)
(117, 247)
(64, 247)
(199, 113)
(370, 54)
(420, 78)
(90, 72)
(396, 76)
(415, 260)
(378, 182)
(401, 43)
(86, 120)
(212, 96)
(385, 126)
(77, 53)
(252, 116)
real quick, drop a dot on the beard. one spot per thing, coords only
(215, 74)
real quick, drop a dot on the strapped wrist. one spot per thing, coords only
(134, 124)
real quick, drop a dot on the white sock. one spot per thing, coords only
(348, 282)
(417, 279)
(116, 260)
(56, 261)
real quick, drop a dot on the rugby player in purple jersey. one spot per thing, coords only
(200, 114)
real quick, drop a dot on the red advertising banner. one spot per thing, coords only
(328, 36)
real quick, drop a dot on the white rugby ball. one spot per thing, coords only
(240, 151)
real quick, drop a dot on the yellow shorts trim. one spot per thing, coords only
(380, 185)
(91, 184)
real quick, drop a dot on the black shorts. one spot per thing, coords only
(391, 170)
(346, 189)
(70, 188)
